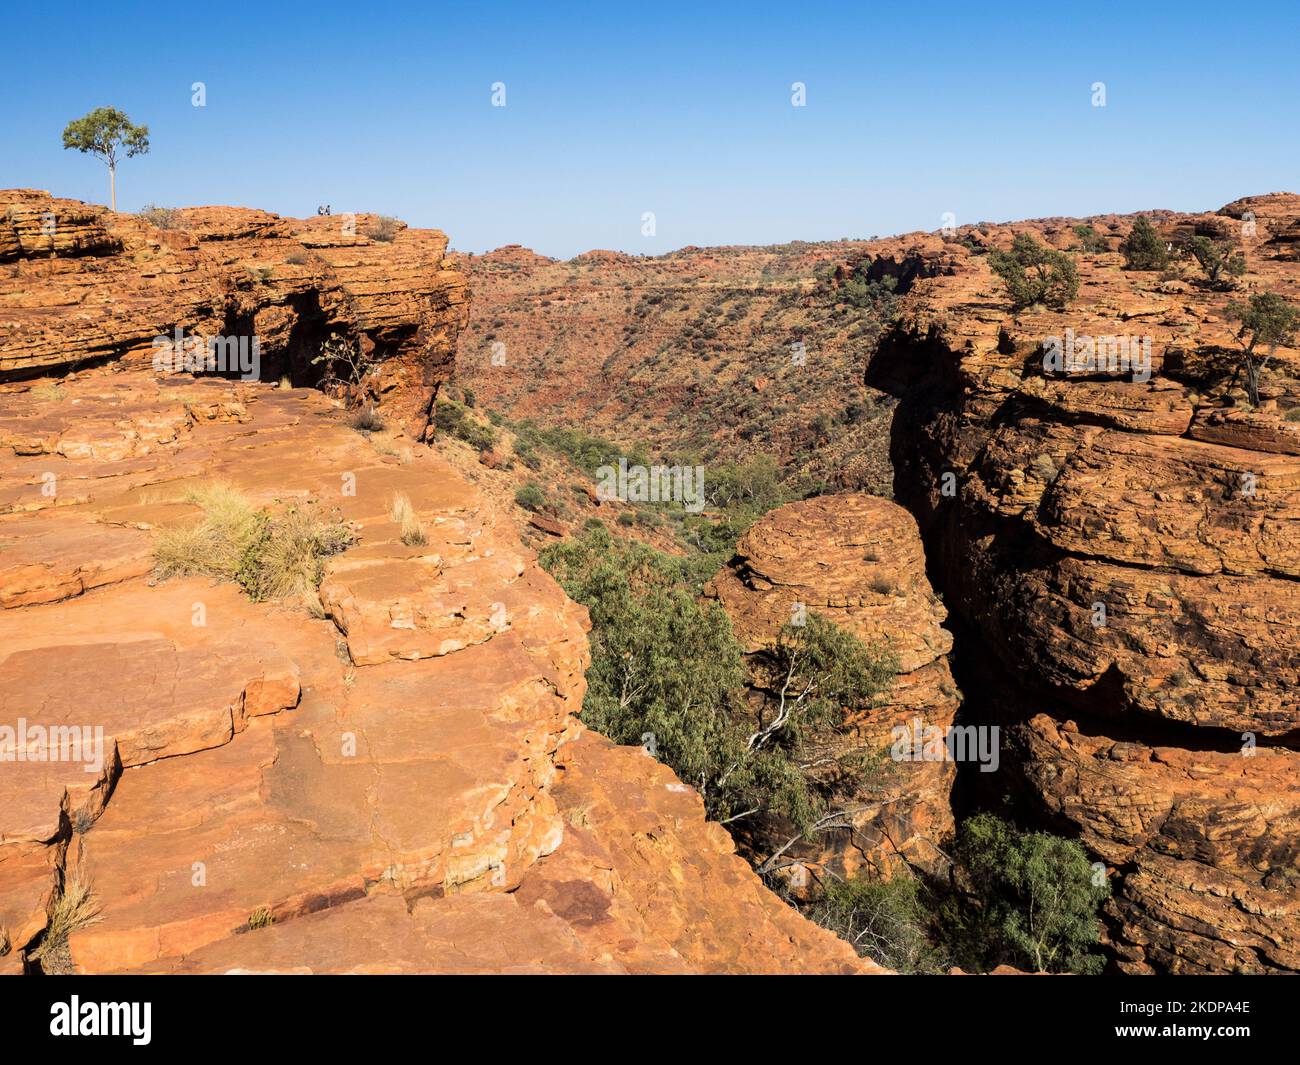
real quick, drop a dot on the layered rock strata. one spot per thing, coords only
(858, 561)
(1121, 541)
(397, 783)
(81, 285)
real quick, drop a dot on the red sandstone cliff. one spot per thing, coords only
(396, 785)
(857, 560)
(83, 285)
(1162, 731)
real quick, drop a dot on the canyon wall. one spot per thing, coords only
(390, 777)
(82, 285)
(857, 561)
(723, 353)
(1123, 555)
(1118, 554)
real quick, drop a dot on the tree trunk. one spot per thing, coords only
(1252, 380)
(112, 186)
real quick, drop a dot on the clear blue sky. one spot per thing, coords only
(912, 110)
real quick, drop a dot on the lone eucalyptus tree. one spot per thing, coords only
(107, 133)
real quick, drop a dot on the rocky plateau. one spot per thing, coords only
(396, 781)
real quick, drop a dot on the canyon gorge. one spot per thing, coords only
(391, 772)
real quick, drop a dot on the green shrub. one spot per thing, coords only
(286, 555)
(587, 453)
(752, 487)
(1036, 274)
(1142, 248)
(885, 920)
(1030, 899)
(1216, 258)
(1089, 239)
(663, 663)
(877, 297)
(1265, 319)
(525, 453)
(666, 663)
(453, 418)
(531, 497)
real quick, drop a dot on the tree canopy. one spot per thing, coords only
(1265, 319)
(109, 135)
(1036, 274)
(1143, 249)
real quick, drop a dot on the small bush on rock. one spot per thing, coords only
(1036, 275)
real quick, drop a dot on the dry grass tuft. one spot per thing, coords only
(47, 391)
(270, 555)
(404, 514)
(366, 420)
(74, 908)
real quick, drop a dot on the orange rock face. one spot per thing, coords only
(1124, 545)
(858, 561)
(81, 285)
(397, 785)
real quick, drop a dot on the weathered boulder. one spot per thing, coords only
(858, 561)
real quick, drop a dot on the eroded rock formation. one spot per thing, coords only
(858, 561)
(1125, 551)
(81, 285)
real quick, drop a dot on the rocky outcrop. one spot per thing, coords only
(858, 561)
(397, 783)
(81, 285)
(1123, 549)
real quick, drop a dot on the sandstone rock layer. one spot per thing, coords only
(1124, 552)
(81, 285)
(858, 561)
(397, 783)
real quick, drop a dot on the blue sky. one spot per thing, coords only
(612, 110)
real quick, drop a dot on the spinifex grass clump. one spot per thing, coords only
(74, 907)
(270, 554)
(367, 420)
(403, 513)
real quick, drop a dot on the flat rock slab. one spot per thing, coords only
(383, 934)
(646, 881)
(44, 559)
(377, 783)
